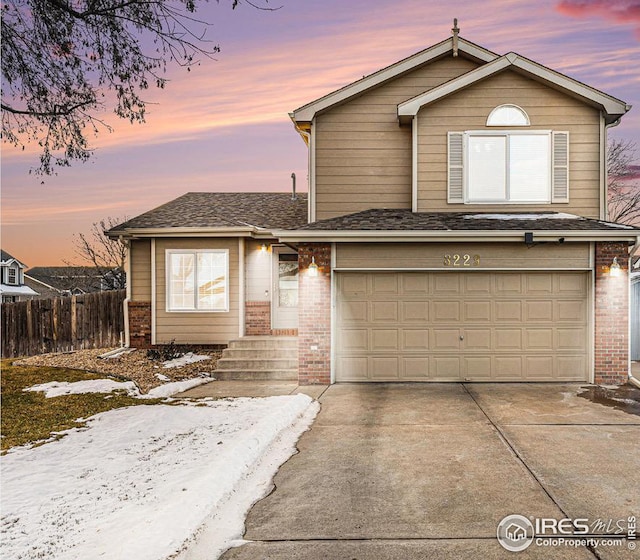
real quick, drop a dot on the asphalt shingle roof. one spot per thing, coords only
(406, 220)
(5, 257)
(237, 209)
(85, 278)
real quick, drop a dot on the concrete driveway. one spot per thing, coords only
(420, 471)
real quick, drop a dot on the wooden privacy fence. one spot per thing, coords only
(62, 324)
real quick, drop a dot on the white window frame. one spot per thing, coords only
(492, 115)
(506, 134)
(15, 281)
(194, 252)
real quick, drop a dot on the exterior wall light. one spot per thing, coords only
(615, 270)
(263, 248)
(313, 268)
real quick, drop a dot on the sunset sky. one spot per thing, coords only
(224, 125)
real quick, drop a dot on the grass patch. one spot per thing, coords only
(29, 417)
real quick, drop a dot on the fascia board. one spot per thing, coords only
(41, 282)
(411, 107)
(610, 105)
(452, 236)
(307, 112)
(184, 232)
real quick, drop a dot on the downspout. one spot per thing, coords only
(127, 299)
(632, 380)
(307, 136)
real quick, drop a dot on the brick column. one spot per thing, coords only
(314, 314)
(611, 315)
(140, 324)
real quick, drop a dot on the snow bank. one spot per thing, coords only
(139, 482)
(169, 389)
(58, 388)
(188, 358)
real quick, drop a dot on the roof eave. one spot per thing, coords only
(612, 107)
(130, 233)
(479, 236)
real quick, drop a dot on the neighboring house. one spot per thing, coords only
(454, 230)
(12, 286)
(58, 281)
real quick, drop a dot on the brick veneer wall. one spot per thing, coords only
(257, 318)
(139, 324)
(314, 315)
(611, 315)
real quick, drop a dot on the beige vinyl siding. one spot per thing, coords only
(196, 327)
(547, 108)
(140, 281)
(258, 270)
(491, 255)
(363, 157)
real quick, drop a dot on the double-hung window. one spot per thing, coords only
(197, 280)
(12, 276)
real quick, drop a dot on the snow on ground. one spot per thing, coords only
(188, 358)
(58, 388)
(169, 389)
(146, 482)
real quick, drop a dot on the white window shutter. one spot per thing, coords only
(455, 160)
(560, 183)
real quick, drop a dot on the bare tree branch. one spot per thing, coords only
(64, 60)
(623, 190)
(105, 255)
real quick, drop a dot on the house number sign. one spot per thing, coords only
(457, 260)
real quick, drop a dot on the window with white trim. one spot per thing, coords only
(508, 166)
(508, 115)
(197, 280)
(12, 276)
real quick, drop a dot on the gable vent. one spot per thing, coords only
(560, 167)
(455, 186)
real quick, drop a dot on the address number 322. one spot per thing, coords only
(461, 260)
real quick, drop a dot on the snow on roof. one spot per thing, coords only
(545, 216)
(7, 290)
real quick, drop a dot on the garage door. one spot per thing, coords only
(448, 326)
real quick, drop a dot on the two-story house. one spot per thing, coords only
(12, 281)
(453, 230)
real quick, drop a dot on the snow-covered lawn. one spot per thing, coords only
(59, 388)
(147, 482)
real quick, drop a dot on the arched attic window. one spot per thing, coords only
(508, 115)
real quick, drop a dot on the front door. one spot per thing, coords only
(284, 306)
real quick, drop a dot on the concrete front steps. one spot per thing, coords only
(259, 358)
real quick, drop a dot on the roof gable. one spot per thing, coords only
(612, 107)
(465, 48)
(8, 259)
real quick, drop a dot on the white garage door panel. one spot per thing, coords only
(442, 326)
